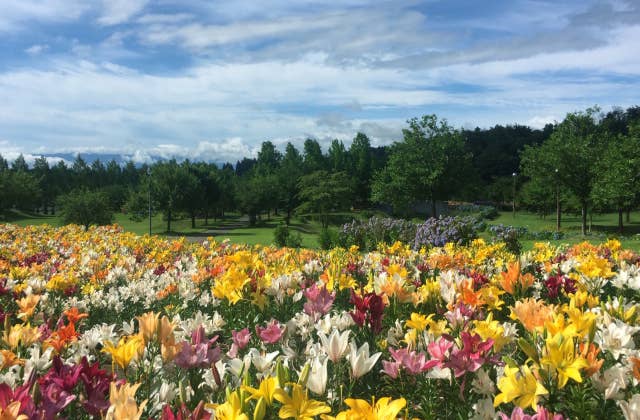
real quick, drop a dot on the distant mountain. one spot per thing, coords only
(107, 157)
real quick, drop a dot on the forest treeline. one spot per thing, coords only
(590, 161)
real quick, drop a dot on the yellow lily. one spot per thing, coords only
(519, 385)
(126, 350)
(298, 405)
(561, 359)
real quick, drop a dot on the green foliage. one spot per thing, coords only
(618, 182)
(18, 189)
(322, 193)
(281, 235)
(568, 158)
(86, 208)
(328, 238)
(429, 164)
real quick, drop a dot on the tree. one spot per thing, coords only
(18, 189)
(573, 150)
(429, 164)
(42, 173)
(81, 172)
(322, 193)
(618, 180)
(313, 158)
(267, 165)
(361, 158)
(193, 193)
(4, 165)
(85, 208)
(170, 181)
(268, 159)
(251, 195)
(20, 164)
(338, 157)
(288, 177)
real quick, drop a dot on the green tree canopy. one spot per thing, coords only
(322, 192)
(86, 208)
(429, 164)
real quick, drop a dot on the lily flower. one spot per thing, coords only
(317, 381)
(360, 361)
(335, 345)
(272, 333)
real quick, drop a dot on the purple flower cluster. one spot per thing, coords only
(438, 232)
(368, 234)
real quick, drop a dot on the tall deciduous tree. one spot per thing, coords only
(361, 157)
(618, 181)
(288, 177)
(170, 182)
(322, 193)
(429, 164)
(573, 149)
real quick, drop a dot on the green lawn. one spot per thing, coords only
(235, 227)
(603, 227)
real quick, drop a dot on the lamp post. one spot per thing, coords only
(149, 196)
(557, 203)
(514, 194)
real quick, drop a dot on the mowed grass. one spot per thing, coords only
(233, 227)
(602, 227)
(236, 229)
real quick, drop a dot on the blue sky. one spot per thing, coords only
(211, 80)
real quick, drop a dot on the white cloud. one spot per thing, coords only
(36, 49)
(16, 14)
(115, 12)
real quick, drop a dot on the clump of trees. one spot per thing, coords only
(590, 162)
(587, 162)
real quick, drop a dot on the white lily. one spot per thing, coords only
(360, 361)
(336, 345)
(263, 362)
(317, 381)
(631, 409)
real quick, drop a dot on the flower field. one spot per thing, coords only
(107, 324)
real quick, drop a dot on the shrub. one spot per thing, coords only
(294, 240)
(328, 238)
(438, 232)
(368, 234)
(281, 235)
(510, 235)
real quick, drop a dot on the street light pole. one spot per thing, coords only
(557, 203)
(149, 196)
(514, 194)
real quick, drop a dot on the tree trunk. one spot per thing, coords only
(168, 220)
(434, 210)
(288, 218)
(620, 226)
(193, 221)
(206, 217)
(584, 219)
